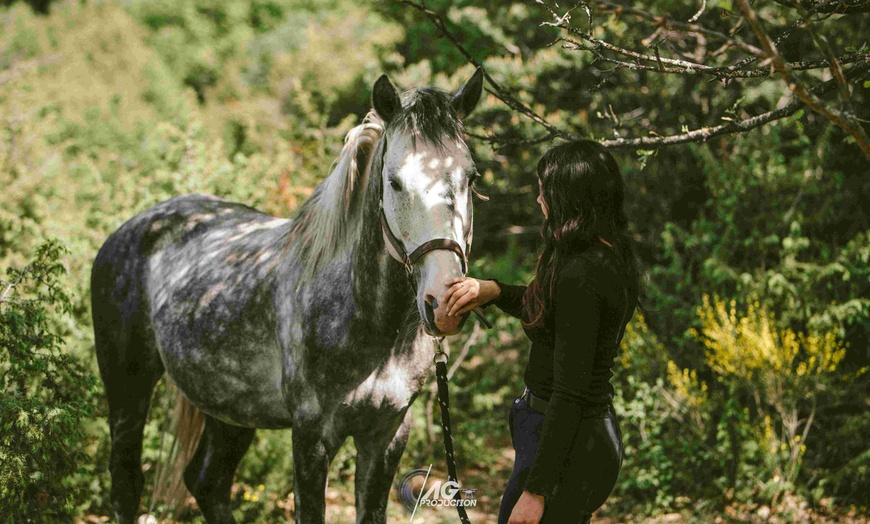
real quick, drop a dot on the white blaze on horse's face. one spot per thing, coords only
(427, 195)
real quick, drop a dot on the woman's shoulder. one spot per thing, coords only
(595, 264)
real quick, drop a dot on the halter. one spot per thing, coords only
(407, 260)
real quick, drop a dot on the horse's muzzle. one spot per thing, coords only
(437, 323)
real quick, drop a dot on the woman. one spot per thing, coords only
(564, 430)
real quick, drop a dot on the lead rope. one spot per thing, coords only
(440, 359)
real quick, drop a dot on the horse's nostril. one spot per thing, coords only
(429, 319)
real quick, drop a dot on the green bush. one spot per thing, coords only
(46, 395)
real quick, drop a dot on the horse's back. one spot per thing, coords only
(120, 267)
(192, 278)
(124, 336)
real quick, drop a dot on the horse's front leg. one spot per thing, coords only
(378, 455)
(312, 453)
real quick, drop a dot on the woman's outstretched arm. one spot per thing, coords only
(510, 298)
(466, 293)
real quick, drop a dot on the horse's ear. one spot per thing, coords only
(468, 95)
(385, 99)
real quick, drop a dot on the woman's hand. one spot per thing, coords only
(528, 510)
(466, 293)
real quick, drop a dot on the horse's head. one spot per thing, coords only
(426, 174)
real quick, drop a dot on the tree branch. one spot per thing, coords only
(805, 97)
(688, 28)
(860, 73)
(718, 72)
(841, 7)
(438, 21)
(839, 118)
(787, 33)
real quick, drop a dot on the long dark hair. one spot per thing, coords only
(584, 193)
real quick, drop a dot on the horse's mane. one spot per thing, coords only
(322, 225)
(329, 220)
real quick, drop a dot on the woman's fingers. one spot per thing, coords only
(455, 296)
(462, 301)
(463, 292)
(449, 294)
(452, 294)
(465, 309)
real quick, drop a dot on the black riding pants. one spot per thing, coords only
(589, 472)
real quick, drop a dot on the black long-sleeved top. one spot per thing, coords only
(573, 352)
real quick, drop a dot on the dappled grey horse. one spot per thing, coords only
(309, 323)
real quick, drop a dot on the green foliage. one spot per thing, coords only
(783, 372)
(46, 394)
(98, 125)
(665, 415)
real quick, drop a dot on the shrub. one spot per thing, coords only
(781, 373)
(45, 395)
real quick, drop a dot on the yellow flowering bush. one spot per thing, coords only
(783, 371)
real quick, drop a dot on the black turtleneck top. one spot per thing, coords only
(573, 351)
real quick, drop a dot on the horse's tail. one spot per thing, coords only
(188, 422)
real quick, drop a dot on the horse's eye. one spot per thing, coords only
(471, 184)
(395, 184)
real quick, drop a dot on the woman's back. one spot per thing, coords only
(601, 277)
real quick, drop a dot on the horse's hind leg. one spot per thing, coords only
(129, 373)
(209, 475)
(378, 456)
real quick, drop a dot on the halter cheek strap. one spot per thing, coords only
(397, 250)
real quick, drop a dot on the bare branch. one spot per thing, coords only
(700, 11)
(642, 61)
(683, 67)
(797, 87)
(438, 21)
(663, 21)
(785, 34)
(859, 72)
(595, 45)
(835, 63)
(841, 7)
(718, 72)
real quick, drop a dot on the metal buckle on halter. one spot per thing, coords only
(440, 353)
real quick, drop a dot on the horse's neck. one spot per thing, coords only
(381, 286)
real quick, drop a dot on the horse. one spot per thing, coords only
(321, 323)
